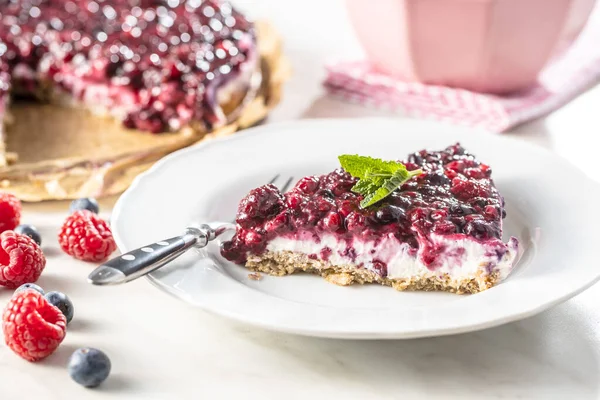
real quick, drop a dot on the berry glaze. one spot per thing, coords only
(454, 199)
(155, 64)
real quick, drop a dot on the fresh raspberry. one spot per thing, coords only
(86, 236)
(10, 212)
(33, 328)
(467, 189)
(21, 260)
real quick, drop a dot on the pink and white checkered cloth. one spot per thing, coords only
(577, 70)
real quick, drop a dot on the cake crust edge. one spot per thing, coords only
(287, 262)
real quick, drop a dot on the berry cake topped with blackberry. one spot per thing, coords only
(154, 65)
(432, 222)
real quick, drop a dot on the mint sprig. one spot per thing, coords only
(377, 179)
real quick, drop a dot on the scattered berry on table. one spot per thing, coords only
(89, 367)
(33, 328)
(10, 211)
(63, 303)
(31, 231)
(86, 203)
(86, 236)
(21, 260)
(30, 286)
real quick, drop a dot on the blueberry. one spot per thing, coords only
(481, 202)
(63, 303)
(86, 203)
(400, 200)
(30, 286)
(479, 229)
(389, 213)
(89, 367)
(437, 178)
(461, 209)
(31, 231)
(415, 158)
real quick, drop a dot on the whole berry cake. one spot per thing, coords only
(155, 65)
(438, 228)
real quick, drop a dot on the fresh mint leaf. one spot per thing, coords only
(361, 166)
(365, 187)
(391, 184)
(377, 178)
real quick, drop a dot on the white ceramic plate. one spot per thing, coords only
(551, 208)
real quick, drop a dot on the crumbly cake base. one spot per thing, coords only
(287, 262)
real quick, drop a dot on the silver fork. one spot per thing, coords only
(141, 261)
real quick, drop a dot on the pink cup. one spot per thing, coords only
(494, 46)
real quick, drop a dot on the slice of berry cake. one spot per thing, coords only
(433, 222)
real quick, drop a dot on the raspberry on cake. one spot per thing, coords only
(154, 65)
(431, 223)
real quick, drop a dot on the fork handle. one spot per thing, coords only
(141, 261)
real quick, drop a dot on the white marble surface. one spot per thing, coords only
(163, 349)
